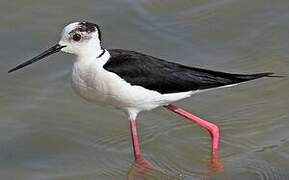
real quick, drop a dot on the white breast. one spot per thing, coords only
(92, 82)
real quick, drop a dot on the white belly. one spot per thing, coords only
(92, 82)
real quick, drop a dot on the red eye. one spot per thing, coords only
(76, 37)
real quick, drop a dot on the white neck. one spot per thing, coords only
(92, 50)
(99, 57)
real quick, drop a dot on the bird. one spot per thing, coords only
(134, 82)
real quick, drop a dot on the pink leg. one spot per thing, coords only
(142, 165)
(134, 137)
(212, 128)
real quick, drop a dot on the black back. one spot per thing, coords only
(167, 77)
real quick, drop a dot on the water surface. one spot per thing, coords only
(48, 132)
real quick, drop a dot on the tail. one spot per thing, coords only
(248, 77)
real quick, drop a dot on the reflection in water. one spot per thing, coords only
(142, 169)
(215, 165)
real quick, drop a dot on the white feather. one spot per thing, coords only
(92, 82)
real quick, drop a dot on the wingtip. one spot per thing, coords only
(270, 74)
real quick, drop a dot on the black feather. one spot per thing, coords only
(89, 28)
(167, 77)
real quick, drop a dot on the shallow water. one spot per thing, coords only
(47, 132)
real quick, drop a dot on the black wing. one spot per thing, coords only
(167, 77)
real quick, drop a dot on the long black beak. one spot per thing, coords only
(52, 50)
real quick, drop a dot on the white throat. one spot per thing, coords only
(92, 50)
(99, 57)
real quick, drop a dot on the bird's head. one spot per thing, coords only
(79, 38)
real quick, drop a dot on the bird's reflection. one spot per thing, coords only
(215, 165)
(142, 169)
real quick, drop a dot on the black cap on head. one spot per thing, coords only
(89, 28)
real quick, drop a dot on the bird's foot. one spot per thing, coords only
(139, 169)
(142, 164)
(215, 165)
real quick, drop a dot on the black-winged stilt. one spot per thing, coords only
(135, 82)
